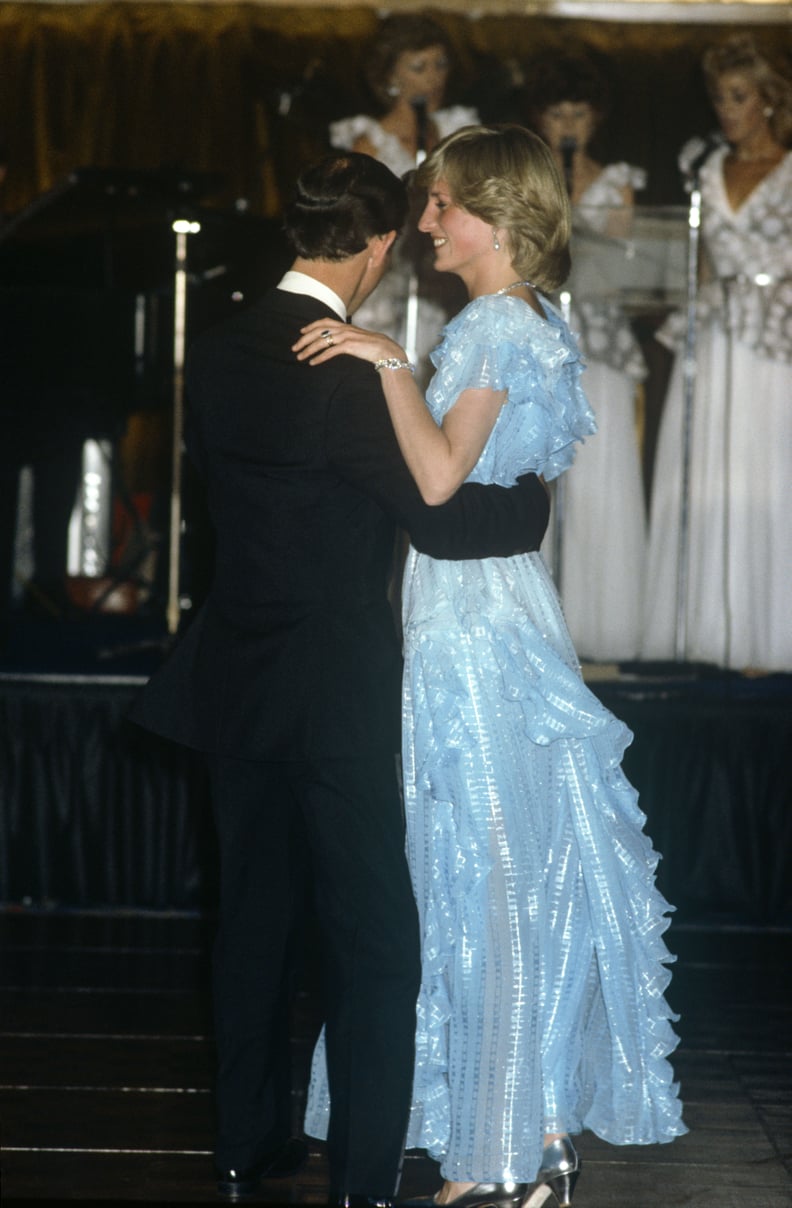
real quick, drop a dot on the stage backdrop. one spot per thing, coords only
(247, 90)
(95, 814)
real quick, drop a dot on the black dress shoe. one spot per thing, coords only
(280, 1163)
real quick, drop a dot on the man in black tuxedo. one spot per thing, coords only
(289, 681)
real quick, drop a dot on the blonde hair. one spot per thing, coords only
(507, 176)
(741, 54)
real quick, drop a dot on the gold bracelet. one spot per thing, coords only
(393, 363)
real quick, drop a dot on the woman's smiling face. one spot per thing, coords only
(460, 239)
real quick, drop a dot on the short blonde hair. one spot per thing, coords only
(507, 176)
(740, 53)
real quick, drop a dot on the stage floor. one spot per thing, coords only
(105, 1026)
(106, 1059)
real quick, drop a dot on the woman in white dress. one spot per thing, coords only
(736, 610)
(407, 69)
(603, 536)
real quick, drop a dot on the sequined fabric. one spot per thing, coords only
(544, 968)
(748, 254)
(603, 328)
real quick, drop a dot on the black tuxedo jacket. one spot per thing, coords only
(294, 654)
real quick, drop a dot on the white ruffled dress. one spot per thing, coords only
(738, 565)
(603, 548)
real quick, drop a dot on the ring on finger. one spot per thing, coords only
(328, 338)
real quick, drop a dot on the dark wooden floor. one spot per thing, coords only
(105, 1071)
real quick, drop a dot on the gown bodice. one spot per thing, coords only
(499, 342)
(757, 235)
(748, 252)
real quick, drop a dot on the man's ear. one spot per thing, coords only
(380, 245)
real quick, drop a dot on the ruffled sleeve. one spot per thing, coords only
(499, 343)
(346, 132)
(626, 175)
(454, 118)
(607, 190)
(387, 147)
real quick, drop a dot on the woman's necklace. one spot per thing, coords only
(514, 285)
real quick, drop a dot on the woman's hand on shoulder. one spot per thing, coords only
(324, 339)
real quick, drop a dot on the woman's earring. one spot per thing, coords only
(393, 90)
(768, 111)
(495, 241)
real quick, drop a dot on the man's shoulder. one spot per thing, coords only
(247, 317)
(258, 341)
(264, 319)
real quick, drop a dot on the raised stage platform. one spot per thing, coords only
(95, 814)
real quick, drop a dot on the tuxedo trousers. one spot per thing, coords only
(341, 820)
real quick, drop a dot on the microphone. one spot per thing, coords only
(421, 121)
(568, 149)
(697, 151)
(285, 97)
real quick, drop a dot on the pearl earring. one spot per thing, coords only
(393, 90)
(495, 241)
(768, 111)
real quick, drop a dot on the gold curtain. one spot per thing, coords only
(142, 86)
(201, 87)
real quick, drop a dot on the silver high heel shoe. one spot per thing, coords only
(557, 1175)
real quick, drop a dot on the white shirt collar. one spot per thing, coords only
(300, 283)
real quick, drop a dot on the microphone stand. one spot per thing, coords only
(411, 322)
(568, 149)
(688, 398)
(182, 227)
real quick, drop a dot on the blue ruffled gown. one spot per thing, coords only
(541, 1006)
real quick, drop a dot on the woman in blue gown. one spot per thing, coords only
(542, 1009)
